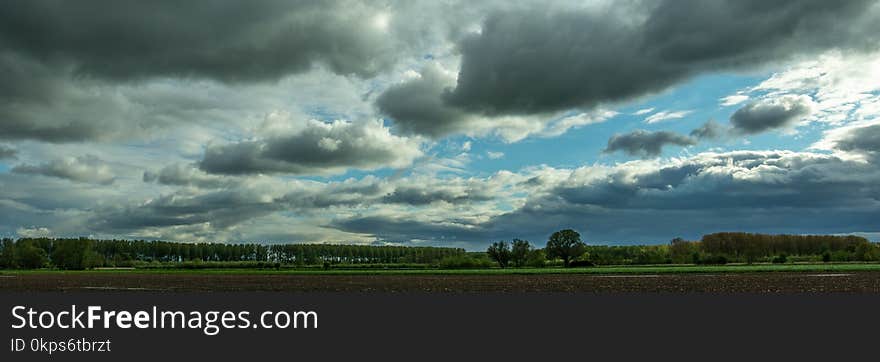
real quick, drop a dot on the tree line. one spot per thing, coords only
(566, 248)
(563, 248)
(84, 253)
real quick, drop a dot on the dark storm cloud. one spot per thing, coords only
(404, 230)
(750, 191)
(864, 140)
(765, 115)
(318, 149)
(417, 105)
(186, 175)
(646, 143)
(531, 62)
(420, 195)
(736, 179)
(756, 191)
(225, 40)
(539, 61)
(221, 209)
(41, 103)
(7, 153)
(65, 64)
(80, 169)
(710, 130)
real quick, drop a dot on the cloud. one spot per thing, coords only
(769, 114)
(424, 191)
(666, 115)
(317, 148)
(417, 105)
(36, 102)
(835, 81)
(494, 155)
(7, 153)
(757, 191)
(523, 67)
(263, 40)
(646, 143)
(200, 123)
(412, 230)
(217, 209)
(187, 175)
(528, 62)
(33, 232)
(646, 201)
(79, 169)
(865, 139)
(733, 100)
(709, 130)
(562, 125)
(224, 209)
(861, 139)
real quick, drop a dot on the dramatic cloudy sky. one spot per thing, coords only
(452, 123)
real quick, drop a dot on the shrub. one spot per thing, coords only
(536, 259)
(714, 259)
(581, 263)
(780, 259)
(463, 262)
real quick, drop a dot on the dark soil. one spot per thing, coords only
(769, 282)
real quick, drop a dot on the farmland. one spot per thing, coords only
(805, 278)
(718, 263)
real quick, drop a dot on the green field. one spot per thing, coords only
(649, 269)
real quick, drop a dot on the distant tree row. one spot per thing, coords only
(565, 247)
(83, 253)
(752, 247)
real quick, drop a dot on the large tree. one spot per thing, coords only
(500, 252)
(566, 245)
(519, 252)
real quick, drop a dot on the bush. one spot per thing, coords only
(714, 260)
(581, 264)
(28, 255)
(75, 254)
(463, 262)
(536, 259)
(780, 259)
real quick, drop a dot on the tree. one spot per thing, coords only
(519, 252)
(500, 252)
(681, 251)
(536, 258)
(7, 254)
(74, 254)
(566, 245)
(28, 255)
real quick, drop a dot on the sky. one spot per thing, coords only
(441, 123)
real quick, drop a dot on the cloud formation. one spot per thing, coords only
(214, 121)
(709, 131)
(646, 143)
(769, 114)
(525, 62)
(317, 148)
(7, 153)
(78, 169)
(666, 115)
(227, 41)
